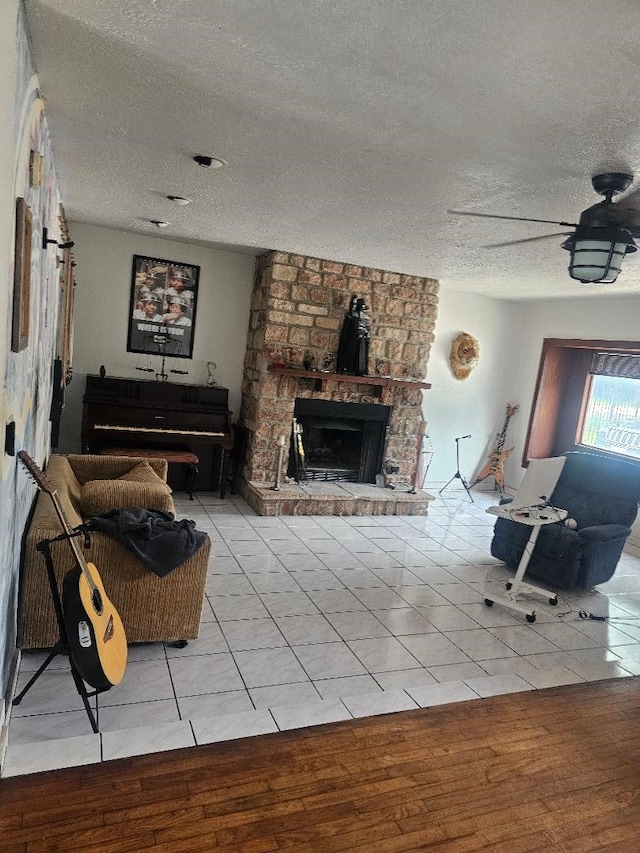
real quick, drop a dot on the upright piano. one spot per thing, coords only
(136, 413)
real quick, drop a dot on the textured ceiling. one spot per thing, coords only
(349, 128)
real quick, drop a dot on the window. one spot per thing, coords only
(612, 416)
(587, 398)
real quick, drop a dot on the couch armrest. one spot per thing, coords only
(605, 532)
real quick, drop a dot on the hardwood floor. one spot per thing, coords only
(552, 770)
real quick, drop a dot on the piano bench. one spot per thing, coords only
(181, 457)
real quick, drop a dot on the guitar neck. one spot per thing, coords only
(73, 540)
(44, 483)
(502, 437)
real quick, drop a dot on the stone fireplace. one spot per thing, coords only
(360, 430)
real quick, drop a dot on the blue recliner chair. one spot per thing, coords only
(601, 494)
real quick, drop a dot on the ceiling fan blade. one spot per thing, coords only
(526, 240)
(516, 218)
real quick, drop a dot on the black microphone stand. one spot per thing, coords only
(458, 475)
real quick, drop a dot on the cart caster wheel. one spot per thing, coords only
(531, 617)
(488, 602)
(508, 584)
(553, 601)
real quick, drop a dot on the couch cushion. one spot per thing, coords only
(100, 496)
(88, 467)
(144, 473)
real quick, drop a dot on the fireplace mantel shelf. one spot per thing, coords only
(320, 377)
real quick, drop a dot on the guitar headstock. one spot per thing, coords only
(511, 410)
(39, 476)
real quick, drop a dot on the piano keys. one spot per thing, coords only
(162, 430)
(175, 416)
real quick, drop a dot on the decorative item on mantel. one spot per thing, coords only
(353, 347)
(382, 367)
(211, 379)
(328, 362)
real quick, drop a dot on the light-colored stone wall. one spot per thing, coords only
(298, 306)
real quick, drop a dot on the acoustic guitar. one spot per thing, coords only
(97, 643)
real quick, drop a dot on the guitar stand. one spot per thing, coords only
(62, 646)
(458, 475)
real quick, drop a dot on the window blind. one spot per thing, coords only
(624, 365)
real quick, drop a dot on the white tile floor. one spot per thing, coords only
(315, 619)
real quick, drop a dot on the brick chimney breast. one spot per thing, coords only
(297, 310)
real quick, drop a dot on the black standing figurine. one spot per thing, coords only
(353, 347)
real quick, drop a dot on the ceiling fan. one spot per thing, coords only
(602, 237)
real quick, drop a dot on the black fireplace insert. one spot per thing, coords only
(338, 441)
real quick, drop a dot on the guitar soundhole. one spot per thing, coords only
(96, 600)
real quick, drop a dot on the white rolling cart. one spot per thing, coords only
(530, 506)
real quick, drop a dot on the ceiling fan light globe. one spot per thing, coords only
(597, 253)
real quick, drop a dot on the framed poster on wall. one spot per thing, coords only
(162, 311)
(21, 277)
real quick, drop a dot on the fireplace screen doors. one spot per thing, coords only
(337, 441)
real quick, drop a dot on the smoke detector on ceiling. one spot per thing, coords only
(159, 223)
(180, 200)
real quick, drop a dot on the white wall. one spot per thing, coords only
(104, 261)
(476, 405)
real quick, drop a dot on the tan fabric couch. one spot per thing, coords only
(151, 608)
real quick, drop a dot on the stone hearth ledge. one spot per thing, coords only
(334, 498)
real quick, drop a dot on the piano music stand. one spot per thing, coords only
(62, 645)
